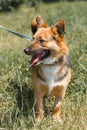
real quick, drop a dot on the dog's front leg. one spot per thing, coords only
(58, 101)
(38, 96)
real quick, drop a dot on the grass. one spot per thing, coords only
(16, 95)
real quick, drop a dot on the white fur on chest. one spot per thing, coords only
(50, 74)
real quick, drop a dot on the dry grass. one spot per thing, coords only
(16, 95)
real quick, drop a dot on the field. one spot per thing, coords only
(17, 111)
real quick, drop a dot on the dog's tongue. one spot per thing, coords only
(34, 60)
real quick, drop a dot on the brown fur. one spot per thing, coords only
(52, 75)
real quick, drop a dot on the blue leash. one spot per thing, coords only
(17, 33)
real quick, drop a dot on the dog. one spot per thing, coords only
(50, 62)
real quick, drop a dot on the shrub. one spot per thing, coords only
(6, 5)
(32, 3)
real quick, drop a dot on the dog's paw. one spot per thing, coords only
(38, 121)
(56, 118)
(39, 118)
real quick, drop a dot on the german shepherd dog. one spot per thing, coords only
(51, 70)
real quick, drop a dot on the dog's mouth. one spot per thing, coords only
(37, 57)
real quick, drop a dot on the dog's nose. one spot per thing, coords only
(26, 50)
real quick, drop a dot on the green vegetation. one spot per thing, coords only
(9, 5)
(17, 110)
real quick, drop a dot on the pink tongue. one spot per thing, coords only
(34, 60)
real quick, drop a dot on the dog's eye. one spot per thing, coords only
(40, 41)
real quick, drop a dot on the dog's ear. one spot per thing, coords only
(37, 22)
(59, 28)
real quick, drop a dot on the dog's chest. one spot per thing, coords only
(51, 76)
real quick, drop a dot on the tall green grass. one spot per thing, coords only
(17, 111)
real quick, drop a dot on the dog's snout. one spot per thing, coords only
(26, 50)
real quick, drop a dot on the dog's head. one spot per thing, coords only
(48, 42)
